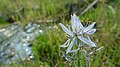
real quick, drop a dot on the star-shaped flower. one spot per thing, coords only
(77, 30)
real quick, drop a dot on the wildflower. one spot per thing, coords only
(76, 31)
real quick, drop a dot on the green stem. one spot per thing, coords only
(88, 64)
(78, 54)
(78, 58)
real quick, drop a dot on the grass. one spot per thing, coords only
(3, 23)
(46, 47)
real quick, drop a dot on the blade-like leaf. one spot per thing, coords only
(92, 31)
(66, 30)
(89, 27)
(65, 44)
(86, 41)
(70, 46)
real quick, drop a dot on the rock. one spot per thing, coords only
(14, 42)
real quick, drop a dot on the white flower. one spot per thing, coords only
(88, 30)
(77, 30)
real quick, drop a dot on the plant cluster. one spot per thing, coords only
(79, 41)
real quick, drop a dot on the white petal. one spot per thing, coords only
(72, 51)
(96, 50)
(66, 30)
(77, 24)
(76, 20)
(88, 38)
(84, 51)
(86, 41)
(73, 26)
(92, 31)
(81, 32)
(81, 26)
(70, 46)
(89, 27)
(64, 45)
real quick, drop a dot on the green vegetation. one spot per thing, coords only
(46, 47)
(3, 23)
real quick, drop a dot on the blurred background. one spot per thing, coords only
(45, 47)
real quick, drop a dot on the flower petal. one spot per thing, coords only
(89, 27)
(89, 42)
(72, 51)
(70, 46)
(76, 20)
(88, 38)
(92, 31)
(73, 26)
(64, 45)
(66, 30)
(76, 24)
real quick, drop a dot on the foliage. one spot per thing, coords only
(46, 47)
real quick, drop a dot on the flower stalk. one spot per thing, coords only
(79, 36)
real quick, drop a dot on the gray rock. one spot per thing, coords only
(14, 42)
